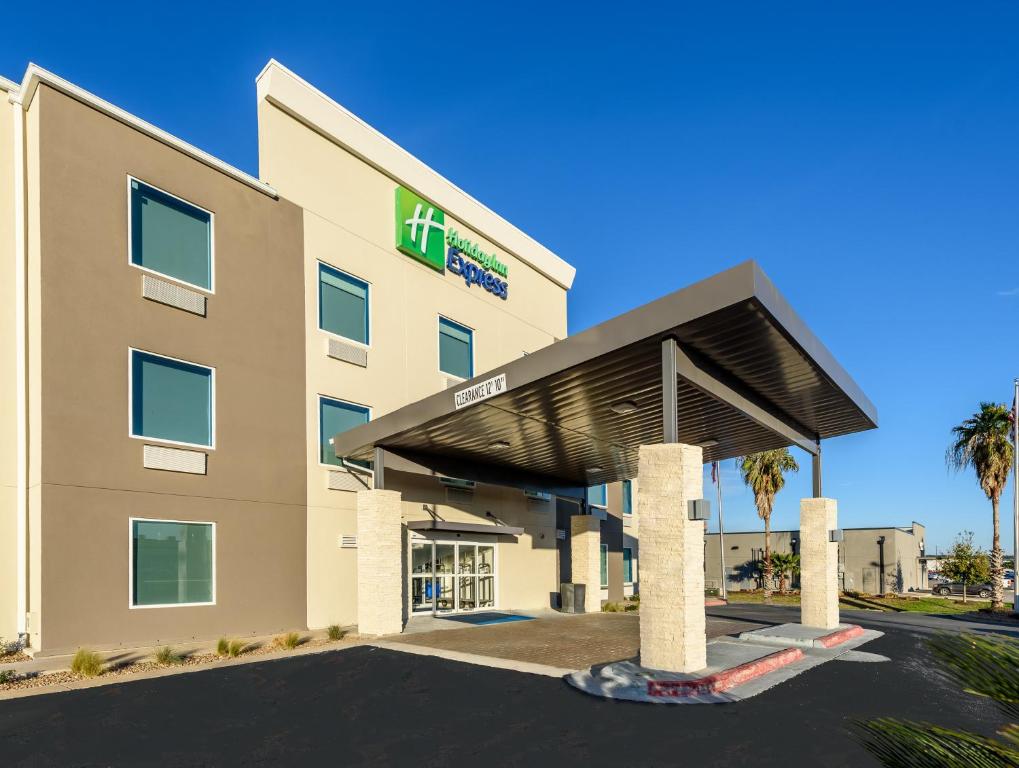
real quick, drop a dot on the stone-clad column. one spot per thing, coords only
(585, 558)
(379, 563)
(819, 564)
(671, 558)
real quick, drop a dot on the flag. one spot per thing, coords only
(714, 472)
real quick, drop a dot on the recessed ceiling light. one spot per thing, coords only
(498, 445)
(624, 406)
(594, 469)
(709, 444)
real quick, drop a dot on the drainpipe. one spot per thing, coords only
(20, 363)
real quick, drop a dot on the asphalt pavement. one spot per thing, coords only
(366, 706)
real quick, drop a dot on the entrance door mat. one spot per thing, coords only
(482, 619)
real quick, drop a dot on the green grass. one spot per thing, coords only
(87, 663)
(758, 597)
(926, 604)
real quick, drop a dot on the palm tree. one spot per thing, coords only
(982, 442)
(785, 563)
(764, 474)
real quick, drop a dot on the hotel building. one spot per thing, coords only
(180, 341)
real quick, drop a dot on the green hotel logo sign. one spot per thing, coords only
(420, 229)
(421, 233)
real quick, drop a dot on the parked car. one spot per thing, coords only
(955, 588)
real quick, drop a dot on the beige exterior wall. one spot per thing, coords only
(8, 378)
(349, 224)
(86, 311)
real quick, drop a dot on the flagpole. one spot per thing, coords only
(1015, 498)
(723, 592)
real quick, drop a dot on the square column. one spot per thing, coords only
(585, 558)
(379, 563)
(672, 622)
(819, 564)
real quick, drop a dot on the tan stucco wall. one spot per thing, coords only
(91, 312)
(349, 224)
(8, 403)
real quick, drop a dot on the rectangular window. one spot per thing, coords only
(172, 563)
(604, 566)
(171, 400)
(627, 498)
(596, 495)
(627, 565)
(170, 236)
(342, 304)
(335, 416)
(456, 349)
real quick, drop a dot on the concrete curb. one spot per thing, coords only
(729, 678)
(799, 636)
(839, 637)
(476, 659)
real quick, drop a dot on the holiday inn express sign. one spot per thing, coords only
(421, 233)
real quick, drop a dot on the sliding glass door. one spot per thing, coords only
(449, 577)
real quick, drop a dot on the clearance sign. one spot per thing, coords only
(421, 233)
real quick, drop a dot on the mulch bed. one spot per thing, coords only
(61, 677)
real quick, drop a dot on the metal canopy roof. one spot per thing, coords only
(751, 377)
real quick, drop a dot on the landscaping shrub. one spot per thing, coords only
(235, 648)
(223, 647)
(289, 641)
(87, 663)
(334, 632)
(166, 655)
(610, 608)
(8, 676)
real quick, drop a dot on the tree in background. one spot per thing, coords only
(965, 563)
(785, 563)
(982, 442)
(764, 474)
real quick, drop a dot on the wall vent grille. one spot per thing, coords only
(347, 352)
(342, 480)
(458, 497)
(348, 542)
(174, 459)
(173, 295)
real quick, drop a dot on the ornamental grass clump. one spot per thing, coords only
(223, 647)
(289, 641)
(87, 663)
(235, 648)
(167, 656)
(334, 632)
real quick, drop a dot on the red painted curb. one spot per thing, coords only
(713, 601)
(726, 679)
(837, 638)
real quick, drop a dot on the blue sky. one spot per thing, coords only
(864, 153)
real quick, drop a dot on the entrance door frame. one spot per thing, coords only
(455, 576)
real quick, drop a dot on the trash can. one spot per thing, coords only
(572, 597)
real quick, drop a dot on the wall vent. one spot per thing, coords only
(347, 352)
(458, 497)
(348, 542)
(173, 295)
(342, 480)
(174, 459)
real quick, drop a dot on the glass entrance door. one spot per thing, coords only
(449, 577)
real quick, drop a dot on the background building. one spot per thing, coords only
(871, 560)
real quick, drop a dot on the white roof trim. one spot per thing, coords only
(303, 101)
(7, 85)
(35, 75)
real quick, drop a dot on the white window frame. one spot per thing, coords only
(130, 562)
(318, 305)
(318, 419)
(130, 401)
(633, 564)
(211, 290)
(438, 351)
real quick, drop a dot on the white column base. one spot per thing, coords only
(819, 564)
(379, 563)
(672, 621)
